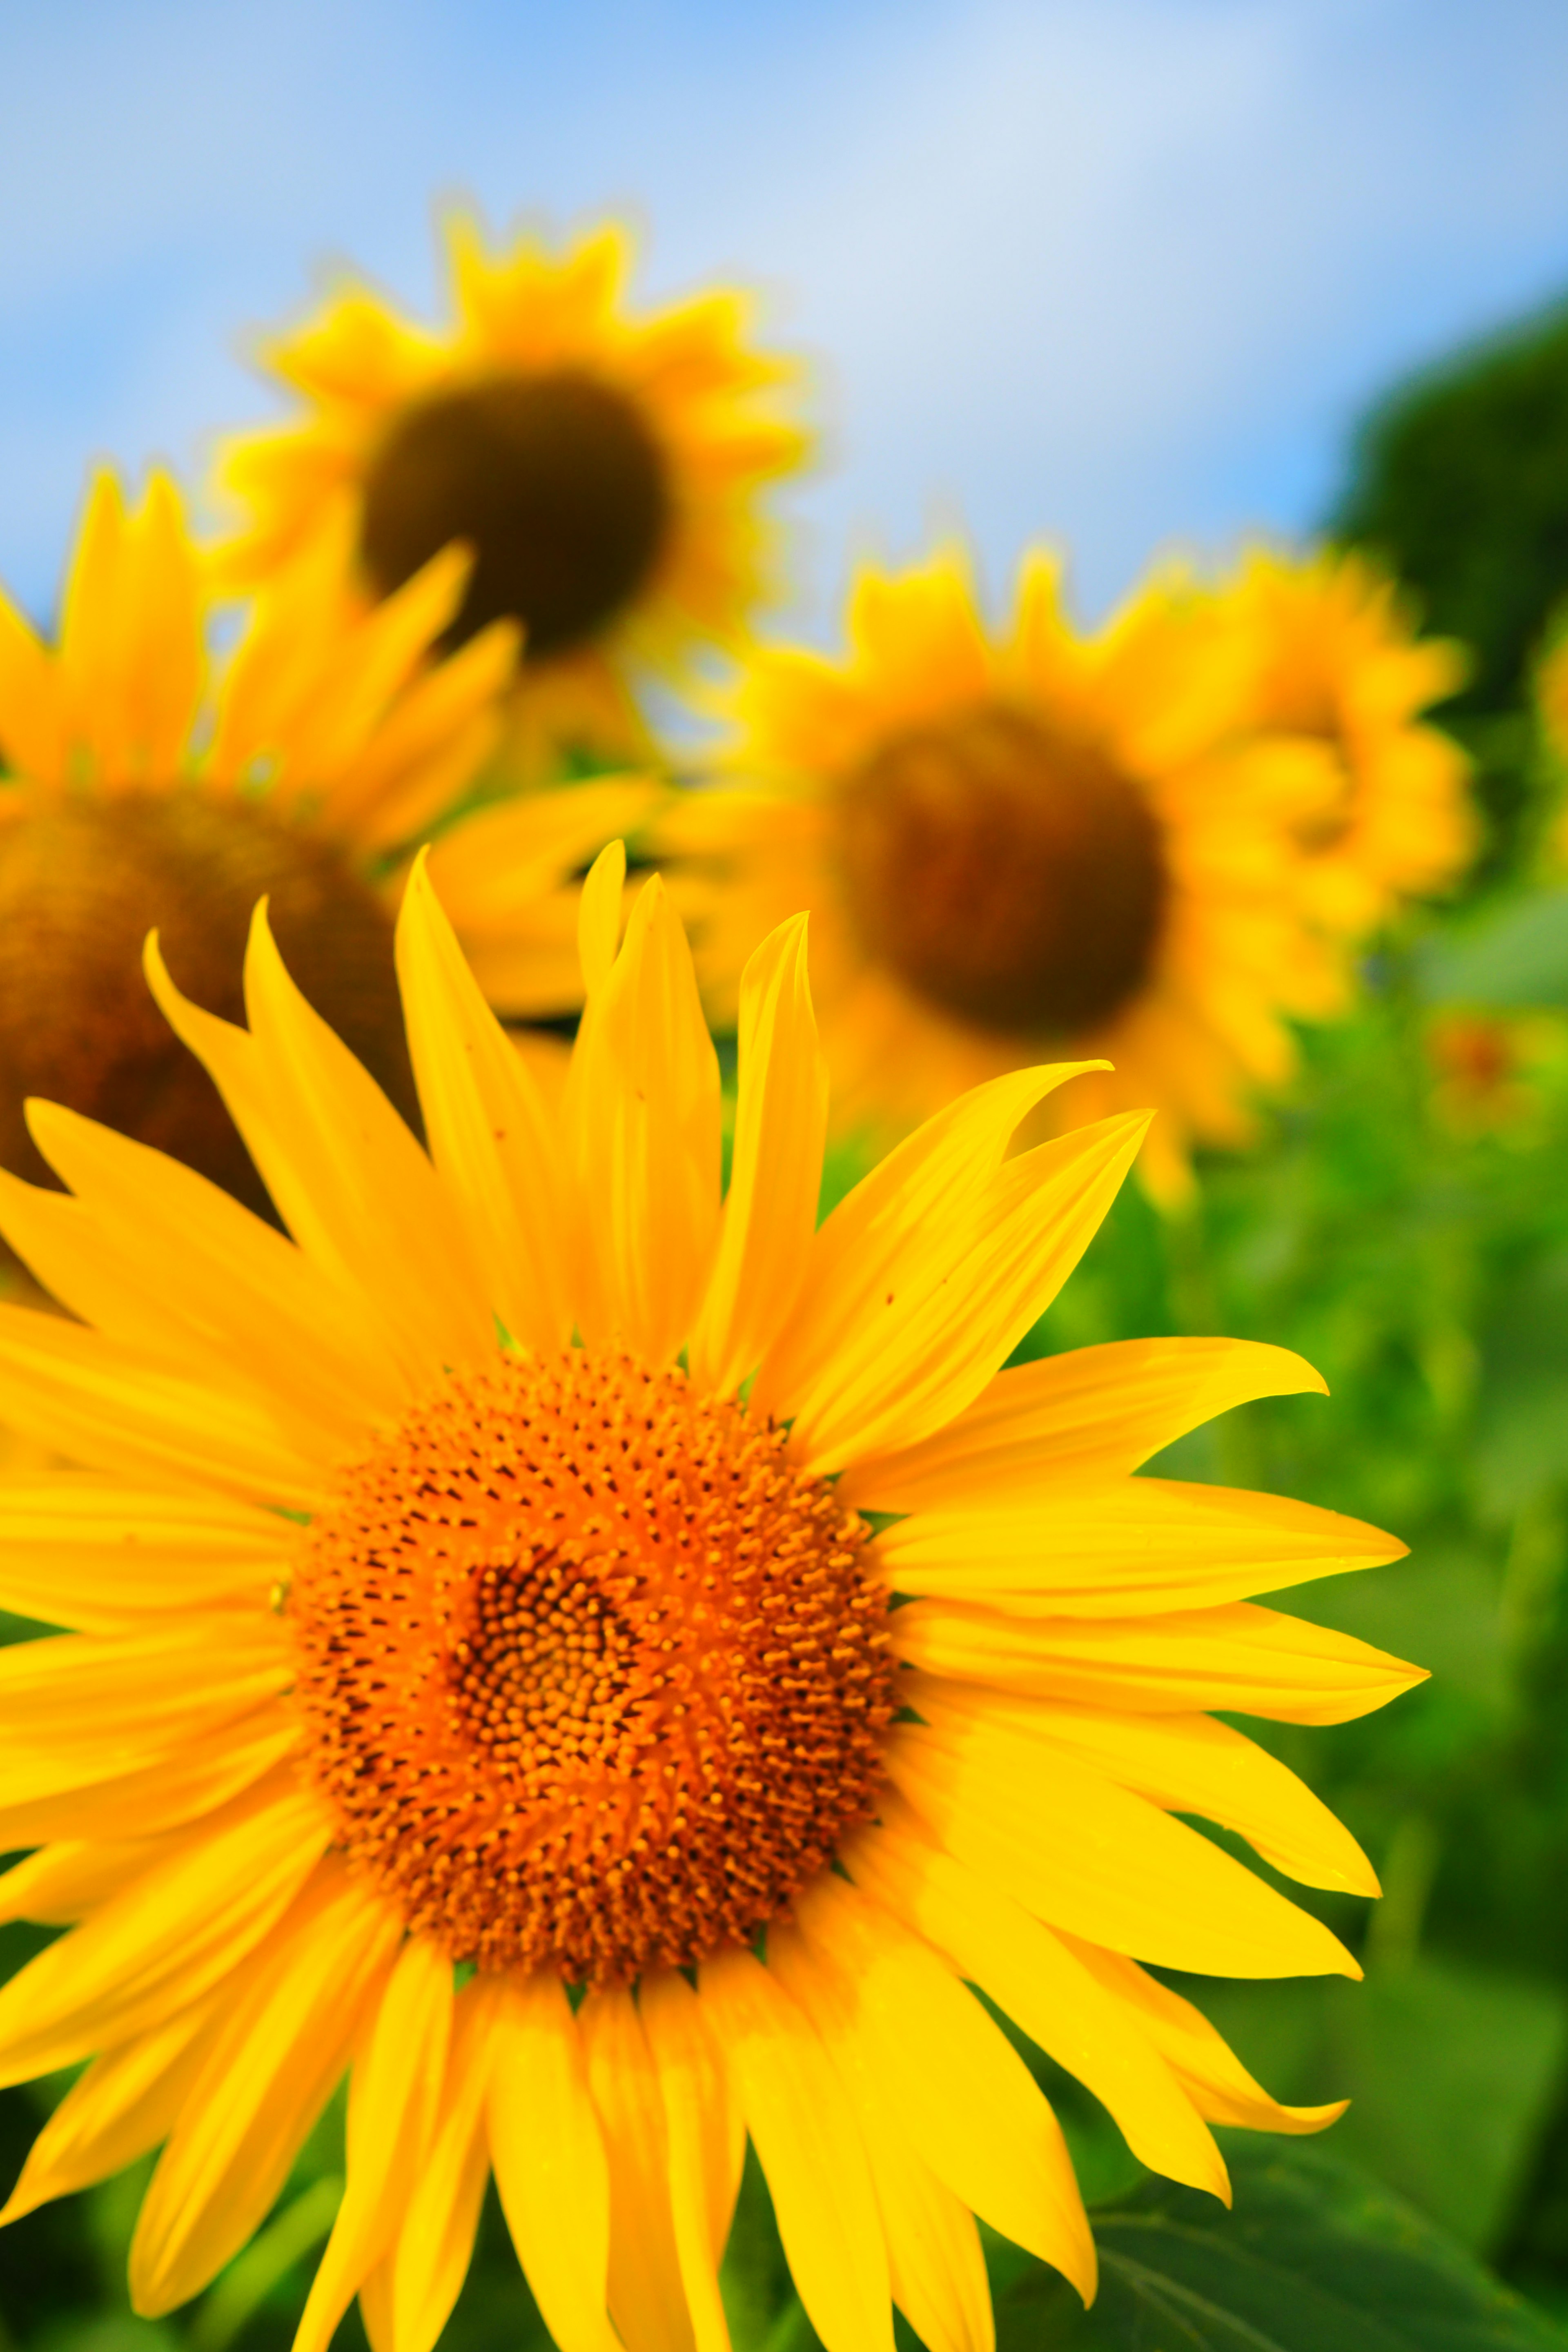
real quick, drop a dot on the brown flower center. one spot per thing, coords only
(1009, 874)
(594, 1678)
(554, 481)
(83, 881)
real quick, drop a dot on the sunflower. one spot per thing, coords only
(1339, 683)
(141, 792)
(605, 468)
(482, 1677)
(1034, 842)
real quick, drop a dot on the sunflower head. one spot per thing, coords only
(604, 467)
(1339, 683)
(1011, 840)
(144, 790)
(540, 1558)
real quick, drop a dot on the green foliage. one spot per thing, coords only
(1314, 2259)
(1459, 481)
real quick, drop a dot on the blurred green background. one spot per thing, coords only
(1404, 1223)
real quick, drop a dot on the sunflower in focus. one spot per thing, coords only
(139, 789)
(604, 467)
(1010, 845)
(482, 1679)
(1339, 683)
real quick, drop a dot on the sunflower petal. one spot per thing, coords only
(1245, 1660)
(284, 2032)
(427, 2267)
(393, 2097)
(935, 2264)
(644, 1095)
(123, 2106)
(706, 2136)
(164, 1941)
(647, 2295)
(490, 1136)
(1187, 1763)
(1123, 1546)
(1032, 1974)
(1099, 1861)
(781, 1122)
(910, 1346)
(1219, 2085)
(950, 2076)
(1091, 1412)
(804, 2127)
(548, 2154)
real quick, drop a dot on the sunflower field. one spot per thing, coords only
(783, 1428)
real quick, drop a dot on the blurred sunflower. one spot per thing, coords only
(1037, 840)
(579, 1669)
(139, 791)
(605, 468)
(1339, 682)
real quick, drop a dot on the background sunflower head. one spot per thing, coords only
(604, 467)
(150, 784)
(1014, 841)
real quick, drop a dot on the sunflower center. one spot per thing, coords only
(593, 1677)
(83, 881)
(1007, 873)
(554, 481)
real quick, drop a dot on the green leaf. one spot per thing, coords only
(1518, 956)
(1314, 2259)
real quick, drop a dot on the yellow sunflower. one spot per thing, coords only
(469, 1602)
(606, 467)
(1014, 844)
(1339, 683)
(137, 789)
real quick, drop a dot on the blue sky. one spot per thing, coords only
(1117, 273)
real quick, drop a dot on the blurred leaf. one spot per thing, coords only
(1314, 2259)
(1518, 957)
(1450, 2073)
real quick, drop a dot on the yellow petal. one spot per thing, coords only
(952, 2078)
(425, 749)
(62, 1883)
(249, 1296)
(1188, 1763)
(1121, 1547)
(1247, 1660)
(494, 1144)
(804, 2128)
(599, 916)
(285, 2029)
(123, 2105)
(425, 2270)
(646, 2296)
(1219, 2085)
(393, 2099)
(156, 1689)
(643, 1100)
(781, 1121)
(935, 2264)
(374, 1198)
(548, 2156)
(107, 1407)
(101, 1559)
(1032, 1975)
(102, 1793)
(1086, 1856)
(1091, 1412)
(886, 1344)
(186, 1924)
(705, 2133)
